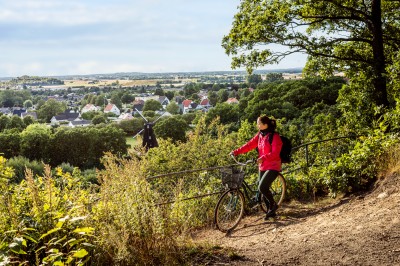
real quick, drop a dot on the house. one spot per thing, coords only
(18, 111)
(90, 108)
(164, 101)
(125, 116)
(79, 123)
(205, 103)
(232, 101)
(112, 108)
(32, 114)
(186, 105)
(65, 117)
(5, 111)
(138, 106)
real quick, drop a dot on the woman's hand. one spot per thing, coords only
(259, 160)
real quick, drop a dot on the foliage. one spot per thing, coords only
(10, 143)
(227, 113)
(152, 105)
(292, 99)
(132, 228)
(20, 164)
(83, 147)
(132, 126)
(35, 141)
(172, 108)
(172, 127)
(45, 221)
(49, 109)
(351, 36)
(99, 119)
(355, 171)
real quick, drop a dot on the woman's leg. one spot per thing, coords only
(267, 178)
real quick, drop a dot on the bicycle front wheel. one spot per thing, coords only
(229, 210)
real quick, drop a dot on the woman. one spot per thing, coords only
(269, 146)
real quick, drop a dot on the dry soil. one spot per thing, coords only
(356, 230)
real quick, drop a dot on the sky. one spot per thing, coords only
(78, 37)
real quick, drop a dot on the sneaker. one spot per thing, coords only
(271, 212)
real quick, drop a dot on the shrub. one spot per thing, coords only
(45, 222)
(20, 164)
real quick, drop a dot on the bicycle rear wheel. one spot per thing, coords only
(229, 210)
(278, 190)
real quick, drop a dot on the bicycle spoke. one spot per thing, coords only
(229, 210)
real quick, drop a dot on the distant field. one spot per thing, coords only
(89, 83)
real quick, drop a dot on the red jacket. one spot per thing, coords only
(269, 153)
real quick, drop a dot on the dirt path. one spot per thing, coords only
(363, 230)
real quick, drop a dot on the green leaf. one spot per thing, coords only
(80, 253)
(58, 263)
(84, 230)
(30, 238)
(50, 232)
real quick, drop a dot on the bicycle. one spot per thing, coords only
(231, 204)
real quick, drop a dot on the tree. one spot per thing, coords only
(212, 97)
(10, 143)
(50, 109)
(172, 108)
(254, 79)
(16, 122)
(127, 98)
(115, 99)
(171, 127)
(271, 77)
(35, 141)
(228, 113)
(98, 119)
(159, 92)
(223, 95)
(4, 120)
(338, 35)
(28, 104)
(170, 95)
(152, 105)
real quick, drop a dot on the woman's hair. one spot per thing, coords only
(270, 122)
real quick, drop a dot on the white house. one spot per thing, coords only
(90, 107)
(80, 123)
(65, 118)
(112, 108)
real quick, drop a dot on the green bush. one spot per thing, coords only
(45, 221)
(20, 164)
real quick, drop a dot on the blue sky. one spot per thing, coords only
(67, 37)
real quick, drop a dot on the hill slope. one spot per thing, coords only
(363, 230)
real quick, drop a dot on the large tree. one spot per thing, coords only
(354, 36)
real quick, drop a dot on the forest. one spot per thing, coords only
(125, 215)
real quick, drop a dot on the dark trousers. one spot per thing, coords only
(266, 179)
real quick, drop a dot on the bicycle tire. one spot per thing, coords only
(278, 190)
(229, 210)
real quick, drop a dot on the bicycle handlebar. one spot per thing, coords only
(240, 163)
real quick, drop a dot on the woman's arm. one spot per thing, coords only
(250, 145)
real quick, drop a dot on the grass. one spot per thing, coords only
(132, 141)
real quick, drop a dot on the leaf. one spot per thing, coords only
(80, 253)
(78, 218)
(50, 232)
(84, 230)
(58, 263)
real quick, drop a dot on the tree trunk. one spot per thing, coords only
(379, 65)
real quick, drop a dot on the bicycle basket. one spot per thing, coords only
(231, 177)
